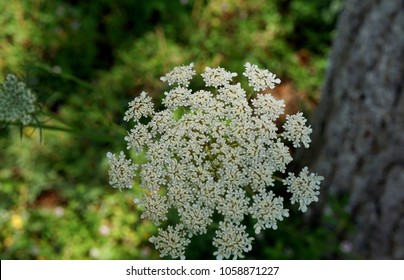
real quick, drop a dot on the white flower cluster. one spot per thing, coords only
(141, 106)
(121, 172)
(304, 189)
(17, 102)
(181, 75)
(171, 241)
(211, 154)
(296, 131)
(260, 79)
(217, 77)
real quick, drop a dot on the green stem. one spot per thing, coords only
(279, 179)
(64, 75)
(249, 190)
(51, 127)
(249, 95)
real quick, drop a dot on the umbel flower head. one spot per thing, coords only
(17, 102)
(213, 153)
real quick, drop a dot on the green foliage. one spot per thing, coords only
(86, 60)
(48, 213)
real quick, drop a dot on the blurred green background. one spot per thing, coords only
(86, 60)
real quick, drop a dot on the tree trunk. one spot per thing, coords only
(358, 141)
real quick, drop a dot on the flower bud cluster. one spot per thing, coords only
(17, 101)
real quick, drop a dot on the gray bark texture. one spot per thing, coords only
(358, 140)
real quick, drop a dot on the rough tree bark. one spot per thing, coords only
(358, 141)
